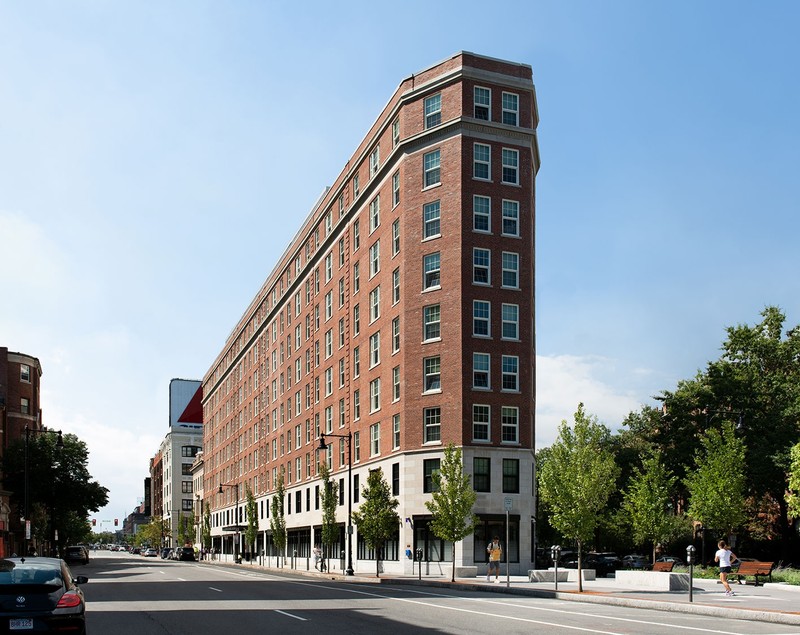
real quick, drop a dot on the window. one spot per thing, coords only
(375, 304)
(356, 277)
(481, 165)
(24, 406)
(510, 313)
(483, 104)
(356, 319)
(395, 132)
(396, 432)
(510, 270)
(328, 381)
(328, 223)
(396, 383)
(510, 109)
(511, 476)
(375, 258)
(25, 373)
(481, 266)
(480, 370)
(356, 187)
(356, 446)
(341, 332)
(510, 166)
(374, 161)
(480, 318)
(509, 419)
(480, 422)
(510, 218)
(190, 451)
(328, 267)
(432, 168)
(431, 327)
(396, 335)
(429, 467)
(481, 474)
(433, 111)
(396, 237)
(328, 343)
(433, 373)
(432, 418)
(328, 419)
(374, 349)
(481, 214)
(328, 305)
(356, 361)
(375, 439)
(341, 413)
(374, 213)
(395, 189)
(356, 405)
(431, 220)
(356, 235)
(510, 364)
(431, 271)
(396, 286)
(341, 374)
(375, 395)
(186, 487)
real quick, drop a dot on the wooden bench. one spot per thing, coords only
(663, 566)
(754, 569)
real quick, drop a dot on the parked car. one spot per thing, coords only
(635, 561)
(40, 594)
(166, 553)
(150, 553)
(185, 553)
(605, 562)
(674, 559)
(76, 553)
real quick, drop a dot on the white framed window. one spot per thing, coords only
(341, 207)
(356, 319)
(396, 383)
(356, 406)
(396, 335)
(481, 261)
(511, 109)
(481, 364)
(481, 310)
(328, 267)
(431, 225)
(341, 373)
(509, 421)
(431, 271)
(328, 343)
(432, 423)
(375, 439)
(328, 419)
(356, 277)
(510, 320)
(328, 381)
(395, 189)
(328, 305)
(510, 225)
(481, 164)
(374, 349)
(510, 368)
(433, 111)
(374, 161)
(356, 361)
(341, 292)
(356, 235)
(396, 432)
(375, 258)
(481, 422)
(396, 286)
(341, 332)
(431, 168)
(432, 369)
(482, 102)
(375, 395)
(395, 133)
(356, 186)
(375, 304)
(431, 323)
(374, 213)
(395, 237)
(342, 411)
(328, 223)
(510, 166)
(481, 214)
(341, 253)
(510, 270)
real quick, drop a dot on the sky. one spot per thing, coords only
(157, 157)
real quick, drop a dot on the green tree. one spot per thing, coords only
(251, 511)
(328, 500)
(376, 518)
(452, 501)
(577, 479)
(277, 521)
(152, 533)
(207, 526)
(717, 484)
(648, 502)
(793, 493)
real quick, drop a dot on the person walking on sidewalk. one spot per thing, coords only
(725, 557)
(495, 552)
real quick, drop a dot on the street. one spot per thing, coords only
(132, 594)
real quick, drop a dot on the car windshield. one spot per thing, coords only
(29, 573)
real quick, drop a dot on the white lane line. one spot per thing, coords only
(297, 617)
(215, 589)
(181, 579)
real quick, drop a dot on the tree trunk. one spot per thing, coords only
(580, 567)
(453, 578)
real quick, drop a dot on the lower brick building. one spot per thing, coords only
(400, 319)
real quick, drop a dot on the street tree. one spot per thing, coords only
(793, 491)
(577, 478)
(452, 501)
(277, 520)
(251, 511)
(207, 526)
(377, 518)
(329, 497)
(717, 483)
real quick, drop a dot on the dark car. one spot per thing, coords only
(185, 553)
(605, 563)
(40, 594)
(166, 553)
(636, 562)
(76, 553)
(678, 562)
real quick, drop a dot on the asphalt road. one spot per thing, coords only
(137, 595)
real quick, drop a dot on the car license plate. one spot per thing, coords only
(24, 624)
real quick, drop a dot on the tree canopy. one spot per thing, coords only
(376, 518)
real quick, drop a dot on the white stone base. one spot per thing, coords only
(467, 572)
(661, 580)
(547, 575)
(588, 574)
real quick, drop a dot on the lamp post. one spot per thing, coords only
(235, 517)
(59, 445)
(323, 446)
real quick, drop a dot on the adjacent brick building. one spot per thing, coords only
(402, 314)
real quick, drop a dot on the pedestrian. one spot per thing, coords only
(409, 555)
(725, 557)
(495, 552)
(317, 556)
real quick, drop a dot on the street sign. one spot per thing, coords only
(507, 504)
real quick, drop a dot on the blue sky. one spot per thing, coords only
(157, 157)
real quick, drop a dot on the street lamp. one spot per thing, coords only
(59, 445)
(323, 446)
(235, 517)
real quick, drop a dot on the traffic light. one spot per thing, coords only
(94, 522)
(116, 522)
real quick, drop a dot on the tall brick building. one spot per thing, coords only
(402, 314)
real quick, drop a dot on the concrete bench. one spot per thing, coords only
(663, 581)
(546, 575)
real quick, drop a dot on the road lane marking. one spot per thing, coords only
(297, 617)
(215, 589)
